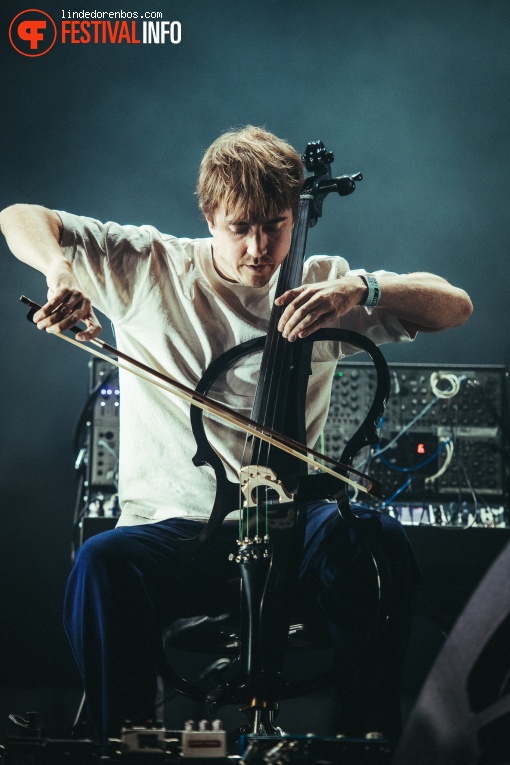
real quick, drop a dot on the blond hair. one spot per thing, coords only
(250, 171)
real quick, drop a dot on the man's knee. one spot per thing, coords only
(106, 548)
(104, 557)
(103, 572)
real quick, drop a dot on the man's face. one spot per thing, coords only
(249, 252)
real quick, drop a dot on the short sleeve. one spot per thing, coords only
(110, 261)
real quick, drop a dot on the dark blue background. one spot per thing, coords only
(415, 95)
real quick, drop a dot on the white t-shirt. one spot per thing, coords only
(173, 311)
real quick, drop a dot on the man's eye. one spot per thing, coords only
(239, 229)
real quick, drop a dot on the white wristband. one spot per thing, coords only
(374, 291)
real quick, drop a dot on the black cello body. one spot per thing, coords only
(275, 488)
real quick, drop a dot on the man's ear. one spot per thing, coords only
(210, 223)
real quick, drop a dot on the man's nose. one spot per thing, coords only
(257, 243)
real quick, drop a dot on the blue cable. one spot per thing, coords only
(397, 492)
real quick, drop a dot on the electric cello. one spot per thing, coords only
(275, 487)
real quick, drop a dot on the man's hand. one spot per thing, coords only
(313, 306)
(422, 302)
(33, 234)
(67, 305)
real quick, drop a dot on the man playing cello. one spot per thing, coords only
(177, 304)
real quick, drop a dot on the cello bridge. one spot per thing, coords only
(260, 484)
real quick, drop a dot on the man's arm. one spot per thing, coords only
(33, 235)
(422, 302)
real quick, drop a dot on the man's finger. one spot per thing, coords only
(315, 323)
(288, 296)
(52, 305)
(299, 302)
(88, 334)
(298, 309)
(64, 300)
(66, 317)
(60, 326)
(294, 328)
(93, 329)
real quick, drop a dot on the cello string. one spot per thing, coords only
(281, 350)
(268, 391)
(272, 378)
(260, 412)
(240, 490)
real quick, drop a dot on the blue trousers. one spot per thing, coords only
(125, 587)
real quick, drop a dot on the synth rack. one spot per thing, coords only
(98, 457)
(443, 437)
(103, 441)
